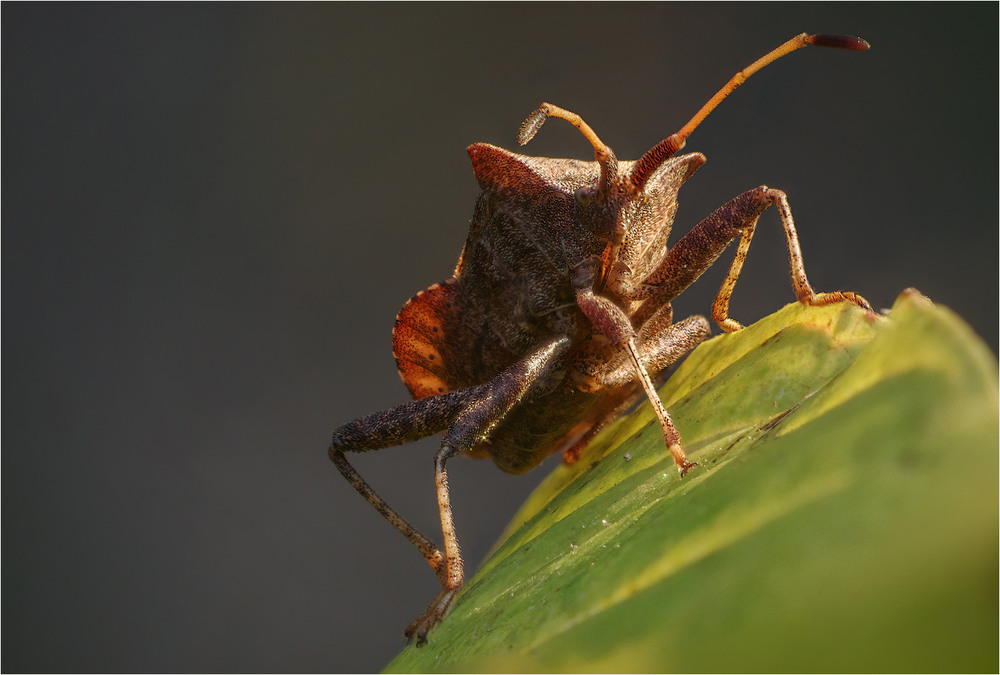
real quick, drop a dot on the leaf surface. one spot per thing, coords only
(843, 516)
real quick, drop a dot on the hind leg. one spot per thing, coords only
(467, 415)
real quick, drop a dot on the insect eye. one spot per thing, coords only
(583, 196)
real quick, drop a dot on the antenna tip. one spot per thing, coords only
(838, 41)
(532, 124)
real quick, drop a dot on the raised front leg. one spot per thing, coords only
(468, 415)
(699, 248)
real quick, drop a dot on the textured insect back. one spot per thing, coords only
(599, 207)
(633, 222)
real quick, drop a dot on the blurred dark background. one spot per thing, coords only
(211, 214)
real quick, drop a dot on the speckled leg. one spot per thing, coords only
(663, 348)
(468, 415)
(701, 246)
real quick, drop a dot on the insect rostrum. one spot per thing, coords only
(558, 311)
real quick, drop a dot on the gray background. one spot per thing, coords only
(211, 215)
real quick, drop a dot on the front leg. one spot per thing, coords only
(698, 249)
(611, 321)
(468, 415)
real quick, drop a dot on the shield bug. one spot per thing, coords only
(558, 313)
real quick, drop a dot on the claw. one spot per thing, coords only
(680, 459)
(416, 632)
(683, 468)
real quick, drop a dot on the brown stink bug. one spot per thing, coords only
(558, 315)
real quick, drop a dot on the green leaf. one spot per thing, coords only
(843, 516)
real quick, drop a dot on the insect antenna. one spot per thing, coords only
(665, 149)
(602, 153)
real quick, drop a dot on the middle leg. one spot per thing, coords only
(699, 248)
